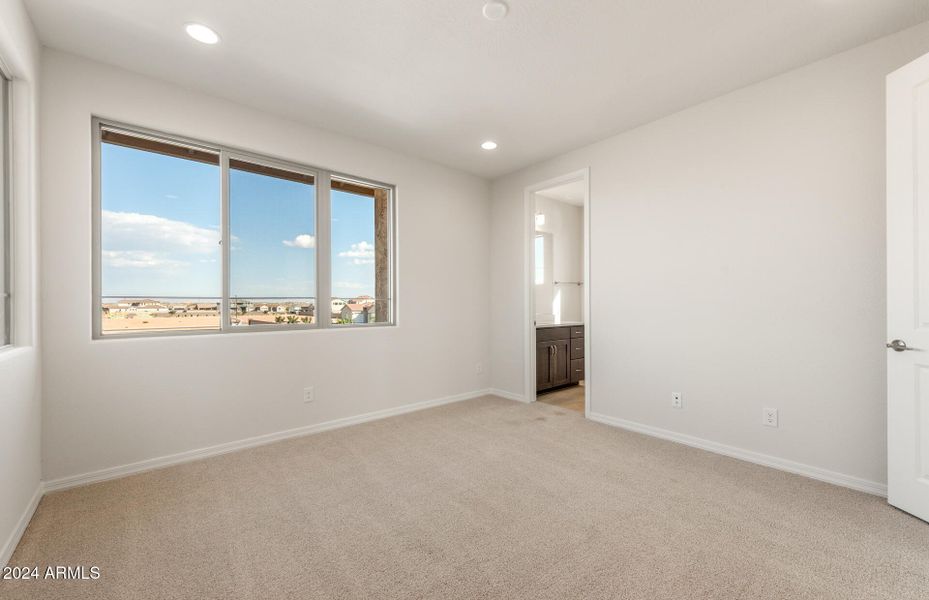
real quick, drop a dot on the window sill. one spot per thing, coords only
(158, 335)
(12, 352)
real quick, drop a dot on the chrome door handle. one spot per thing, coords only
(898, 345)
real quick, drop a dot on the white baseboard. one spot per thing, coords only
(10, 545)
(191, 455)
(507, 395)
(817, 473)
(849, 481)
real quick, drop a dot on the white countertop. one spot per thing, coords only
(561, 324)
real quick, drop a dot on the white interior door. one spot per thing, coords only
(908, 288)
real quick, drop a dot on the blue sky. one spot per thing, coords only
(160, 231)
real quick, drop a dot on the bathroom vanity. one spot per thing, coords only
(559, 355)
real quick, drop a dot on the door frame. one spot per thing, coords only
(529, 282)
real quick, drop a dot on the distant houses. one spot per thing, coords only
(337, 304)
(271, 312)
(242, 311)
(354, 312)
(133, 307)
(203, 308)
(302, 308)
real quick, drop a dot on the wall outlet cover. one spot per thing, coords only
(677, 400)
(769, 417)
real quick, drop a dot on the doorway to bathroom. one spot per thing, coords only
(557, 214)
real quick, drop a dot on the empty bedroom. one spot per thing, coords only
(477, 299)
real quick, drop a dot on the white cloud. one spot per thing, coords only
(361, 253)
(139, 259)
(160, 246)
(136, 232)
(349, 285)
(304, 240)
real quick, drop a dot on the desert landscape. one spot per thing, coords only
(135, 315)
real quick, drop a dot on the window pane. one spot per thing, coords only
(539, 260)
(272, 221)
(361, 279)
(159, 226)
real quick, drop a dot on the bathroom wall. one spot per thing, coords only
(565, 223)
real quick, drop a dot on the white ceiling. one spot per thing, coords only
(432, 78)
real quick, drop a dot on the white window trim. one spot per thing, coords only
(322, 181)
(6, 210)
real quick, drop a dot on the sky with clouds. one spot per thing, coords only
(160, 232)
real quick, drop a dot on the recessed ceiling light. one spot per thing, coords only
(494, 11)
(489, 145)
(202, 33)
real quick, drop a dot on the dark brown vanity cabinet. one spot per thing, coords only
(552, 364)
(559, 356)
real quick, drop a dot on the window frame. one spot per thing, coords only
(6, 209)
(322, 182)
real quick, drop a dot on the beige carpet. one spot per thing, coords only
(481, 499)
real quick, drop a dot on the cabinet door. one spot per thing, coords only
(543, 366)
(562, 362)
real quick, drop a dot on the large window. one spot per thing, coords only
(194, 237)
(5, 194)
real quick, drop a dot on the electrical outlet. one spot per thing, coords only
(769, 417)
(677, 400)
(309, 394)
(479, 368)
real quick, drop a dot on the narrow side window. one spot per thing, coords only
(362, 286)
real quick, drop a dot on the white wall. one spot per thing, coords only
(737, 256)
(113, 402)
(566, 224)
(20, 405)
